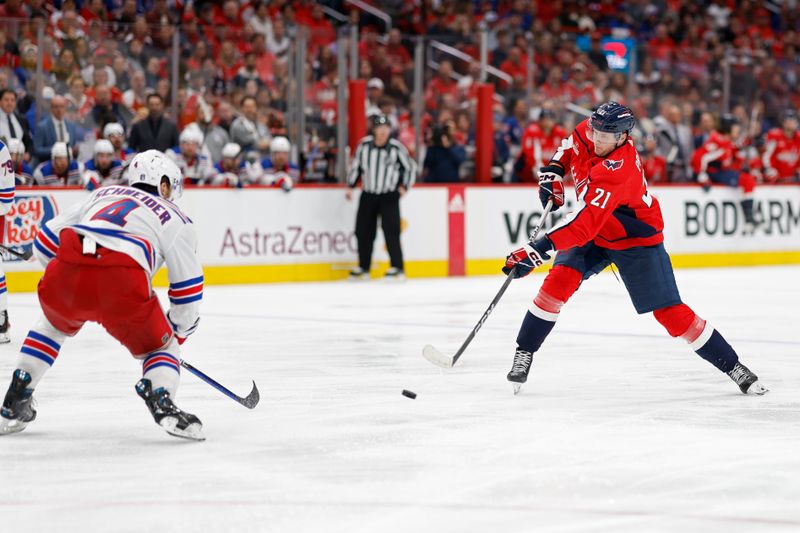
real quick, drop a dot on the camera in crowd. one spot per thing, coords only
(439, 133)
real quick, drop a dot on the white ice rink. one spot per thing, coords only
(620, 428)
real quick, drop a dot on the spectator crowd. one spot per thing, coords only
(713, 72)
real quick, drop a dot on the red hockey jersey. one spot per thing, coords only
(783, 154)
(615, 210)
(717, 153)
(537, 147)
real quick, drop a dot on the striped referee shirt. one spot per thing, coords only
(382, 169)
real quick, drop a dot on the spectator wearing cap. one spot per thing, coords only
(103, 169)
(385, 170)
(114, 132)
(247, 131)
(23, 175)
(53, 129)
(279, 171)
(156, 132)
(374, 94)
(30, 114)
(59, 171)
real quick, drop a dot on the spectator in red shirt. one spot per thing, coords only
(581, 91)
(395, 50)
(515, 65)
(442, 84)
(228, 60)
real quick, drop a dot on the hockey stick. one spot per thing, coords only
(27, 254)
(250, 401)
(438, 358)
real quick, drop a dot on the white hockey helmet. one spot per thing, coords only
(150, 166)
(113, 128)
(103, 146)
(231, 150)
(280, 144)
(15, 146)
(59, 149)
(191, 134)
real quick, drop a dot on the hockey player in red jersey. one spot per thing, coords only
(100, 257)
(539, 140)
(716, 161)
(781, 158)
(617, 222)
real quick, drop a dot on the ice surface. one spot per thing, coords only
(620, 428)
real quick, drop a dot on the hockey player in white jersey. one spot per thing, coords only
(197, 167)
(7, 190)
(101, 256)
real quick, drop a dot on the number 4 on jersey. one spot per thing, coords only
(116, 212)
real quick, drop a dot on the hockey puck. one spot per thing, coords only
(409, 394)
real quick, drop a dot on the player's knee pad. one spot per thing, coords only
(561, 283)
(677, 319)
(747, 182)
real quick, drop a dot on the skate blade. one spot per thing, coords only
(191, 432)
(7, 427)
(4, 338)
(517, 388)
(757, 389)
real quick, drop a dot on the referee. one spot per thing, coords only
(386, 172)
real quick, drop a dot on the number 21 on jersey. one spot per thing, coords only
(116, 212)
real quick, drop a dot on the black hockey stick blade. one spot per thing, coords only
(250, 401)
(27, 254)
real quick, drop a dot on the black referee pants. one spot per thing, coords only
(370, 207)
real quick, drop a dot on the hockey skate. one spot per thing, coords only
(358, 274)
(167, 414)
(747, 381)
(4, 327)
(519, 370)
(18, 406)
(394, 274)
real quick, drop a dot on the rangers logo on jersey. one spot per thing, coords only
(610, 164)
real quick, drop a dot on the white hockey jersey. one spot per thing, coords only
(7, 183)
(151, 230)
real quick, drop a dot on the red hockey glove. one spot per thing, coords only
(532, 255)
(551, 186)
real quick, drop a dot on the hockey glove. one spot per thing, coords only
(551, 186)
(704, 180)
(532, 255)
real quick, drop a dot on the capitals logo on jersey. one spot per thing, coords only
(610, 164)
(23, 221)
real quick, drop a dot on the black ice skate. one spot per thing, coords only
(167, 414)
(4, 327)
(520, 369)
(18, 406)
(747, 381)
(358, 274)
(394, 274)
